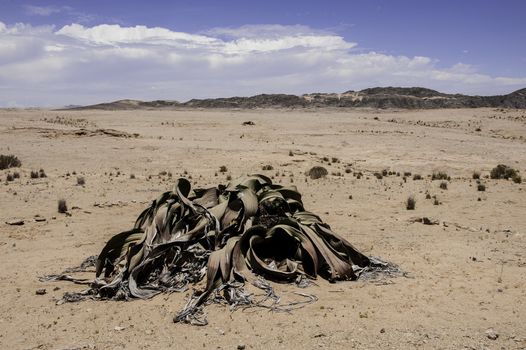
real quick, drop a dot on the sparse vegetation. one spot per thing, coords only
(222, 169)
(407, 173)
(62, 206)
(335, 160)
(267, 167)
(417, 177)
(385, 172)
(132, 176)
(81, 181)
(481, 187)
(443, 185)
(317, 172)
(16, 175)
(34, 174)
(476, 175)
(502, 171)
(291, 154)
(9, 161)
(440, 176)
(229, 177)
(9, 177)
(378, 175)
(410, 203)
(42, 173)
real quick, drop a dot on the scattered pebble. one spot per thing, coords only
(491, 334)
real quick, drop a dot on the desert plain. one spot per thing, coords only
(464, 282)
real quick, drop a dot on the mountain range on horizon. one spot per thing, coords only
(377, 97)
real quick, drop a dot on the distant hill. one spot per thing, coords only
(378, 97)
(129, 104)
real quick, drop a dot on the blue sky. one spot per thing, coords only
(62, 52)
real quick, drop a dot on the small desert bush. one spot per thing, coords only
(481, 187)
(407, 173)
(385, 172)
(81, 181)
(9, 161)
(229, 177)
(42, 173)
(410, 204)
(317, 172)
(34, 174)
(476, 175)
(267, 167)
(378, 175)
(291, 154)
(417, 177)
(223, 169)
(517, 179)
(443, 185)
(440, 176)
(62, 206)
(502, 171)
(335, 160)
(16, 175)
(9, 177)
(132, 176)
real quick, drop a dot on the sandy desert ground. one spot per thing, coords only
(466, 276)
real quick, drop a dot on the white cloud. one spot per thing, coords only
(80, 65)
(42, 10)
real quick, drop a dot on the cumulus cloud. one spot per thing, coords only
(79, 64)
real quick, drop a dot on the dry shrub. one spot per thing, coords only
(410, 203)
(9, 161)
(62, 206)
(317, 172)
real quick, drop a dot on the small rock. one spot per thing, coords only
(491, 334)
(39, 218)
(241, 347)
(119, 328)
(40, 291)
(15, 222)
(428, 221)
(382, 330)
